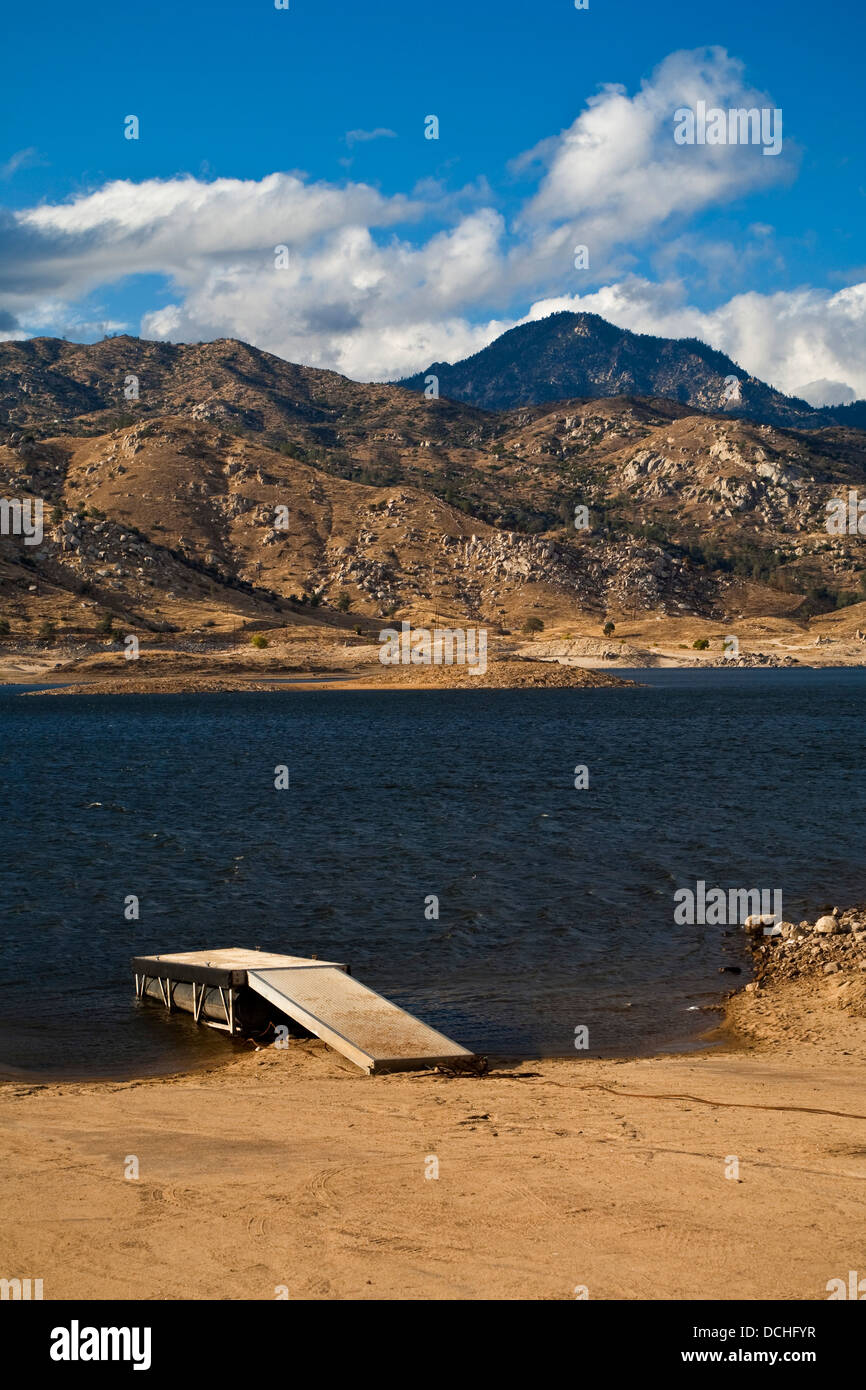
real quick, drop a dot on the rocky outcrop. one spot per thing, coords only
(754, 659)
(835, 944)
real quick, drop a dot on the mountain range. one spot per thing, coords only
(210, 485)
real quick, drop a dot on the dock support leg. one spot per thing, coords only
(229, 1007)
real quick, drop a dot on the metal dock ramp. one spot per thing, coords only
(217, 987)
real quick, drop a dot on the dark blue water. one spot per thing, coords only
(556, 905)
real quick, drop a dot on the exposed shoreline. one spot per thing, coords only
(189, 664)
(520, 674)
(290, 1168)
(513, 675)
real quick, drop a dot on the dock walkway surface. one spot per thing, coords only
(322, 996)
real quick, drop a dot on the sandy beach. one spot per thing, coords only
(289, 1173)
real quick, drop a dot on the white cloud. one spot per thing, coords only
(361, 137)
(349, 302)
(170, 225)
(825, 392)
(618, 177)
(21, 159)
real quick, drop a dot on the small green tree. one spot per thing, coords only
(105, 626)
(533, 625)
(609, 628)
(5, 629)
(258, 641)
(344, 602)
(47, 631)
(700, 644)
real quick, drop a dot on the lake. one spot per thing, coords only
(555, 903)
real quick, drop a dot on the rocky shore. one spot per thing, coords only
(834, 945)
(752, 659)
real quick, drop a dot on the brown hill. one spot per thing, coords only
(165, 511)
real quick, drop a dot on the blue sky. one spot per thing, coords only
(404, 249)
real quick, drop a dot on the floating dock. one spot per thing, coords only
(238, 990)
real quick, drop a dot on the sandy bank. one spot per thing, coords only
(518, 674)
(291, 1168)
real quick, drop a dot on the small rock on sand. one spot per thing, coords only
(827, 926)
